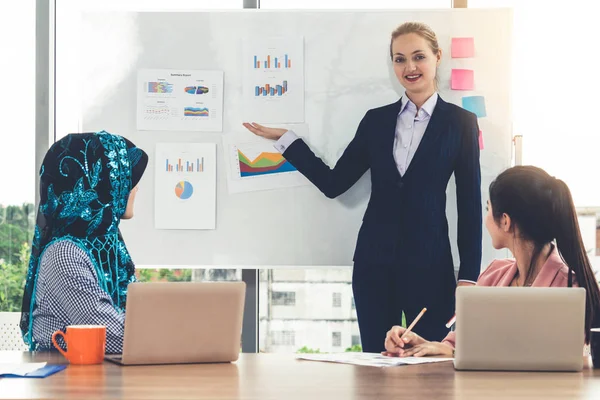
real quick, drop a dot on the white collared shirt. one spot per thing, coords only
(410, 128)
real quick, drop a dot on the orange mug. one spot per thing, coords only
(86, 344)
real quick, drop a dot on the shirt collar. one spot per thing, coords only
(428, 106)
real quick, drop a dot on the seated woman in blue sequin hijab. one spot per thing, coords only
(79, 267)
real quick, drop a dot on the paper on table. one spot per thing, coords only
(370, 359)
(20, 369)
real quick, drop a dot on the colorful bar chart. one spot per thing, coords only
(185, 165)
(269, 90)
(273, 62)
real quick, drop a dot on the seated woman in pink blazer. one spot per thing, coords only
(532, 214)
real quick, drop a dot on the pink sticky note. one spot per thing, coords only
(480, 141)
(462, 79)
(463, 47)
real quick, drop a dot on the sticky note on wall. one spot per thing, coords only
(462, 79)
(463, 47)
(475, 104)
(480, 141)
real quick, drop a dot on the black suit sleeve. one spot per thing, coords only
(468, 197)
(349, 168)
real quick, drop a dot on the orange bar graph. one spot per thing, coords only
(268, 61)
(289, 63)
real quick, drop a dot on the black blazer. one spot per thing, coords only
(405, 222)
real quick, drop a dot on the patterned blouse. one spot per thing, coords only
(68, 293)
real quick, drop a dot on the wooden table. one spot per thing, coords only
(276, 376)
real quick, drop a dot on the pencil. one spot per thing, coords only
(451, 322)
(414, 322)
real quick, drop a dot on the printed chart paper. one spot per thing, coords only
(180, 100)
(273, 79)
(256, 165)
(185, 186)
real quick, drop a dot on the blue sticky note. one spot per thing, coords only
(475, 104)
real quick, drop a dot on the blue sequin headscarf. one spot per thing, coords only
(85, 181)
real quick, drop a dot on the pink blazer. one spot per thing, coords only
(554, 273)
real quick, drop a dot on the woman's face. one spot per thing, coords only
(129, 210)
(415, 63)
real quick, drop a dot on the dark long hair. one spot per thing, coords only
(542, 208)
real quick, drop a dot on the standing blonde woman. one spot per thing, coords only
(403, 260)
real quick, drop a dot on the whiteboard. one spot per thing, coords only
(347, 71)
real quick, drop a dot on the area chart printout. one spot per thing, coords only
(273, 79)
(258, 166)
(185, 186)
(180, 100)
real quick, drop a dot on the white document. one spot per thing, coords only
(185, 186)
(20, 369)
(254, 164)
(370, 359)
(180, 100)
(273, 79)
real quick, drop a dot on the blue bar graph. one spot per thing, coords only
(273, 62)
(270, 90)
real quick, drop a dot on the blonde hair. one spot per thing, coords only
(420, 29)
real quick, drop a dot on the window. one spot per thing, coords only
(354, 4)
(283, 338)
(336, 339)
(187, 275)
(284, 298)
(337, 300)
(312, 317)
(17, 149)
(571, 137)
(355, 340)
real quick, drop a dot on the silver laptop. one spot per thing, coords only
(184, 322)
(521, 329)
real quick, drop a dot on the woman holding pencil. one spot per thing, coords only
(532, 214)
(403, 260)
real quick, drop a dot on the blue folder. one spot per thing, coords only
(38, 373)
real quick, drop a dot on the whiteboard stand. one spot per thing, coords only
(518, 149)
(250, 324)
